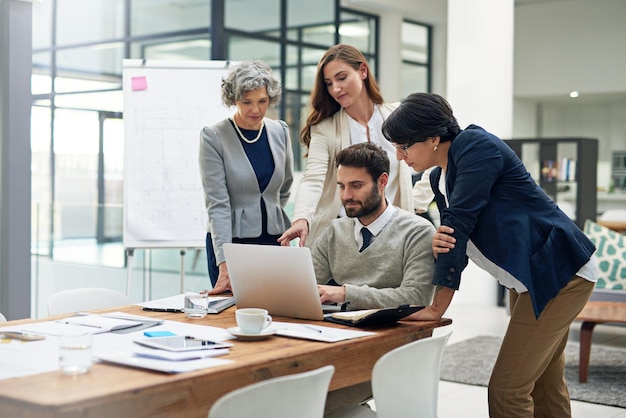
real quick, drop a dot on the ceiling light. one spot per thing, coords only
(573, 94)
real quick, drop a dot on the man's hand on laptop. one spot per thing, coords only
(298, 229)
(223, 281)
(332, 294)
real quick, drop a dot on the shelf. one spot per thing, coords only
(561, 163)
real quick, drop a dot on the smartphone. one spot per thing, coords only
(181, 343)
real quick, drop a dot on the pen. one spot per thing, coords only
(61, 321)
(163, 309)
(312, 328)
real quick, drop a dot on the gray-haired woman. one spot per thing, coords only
(246, 165)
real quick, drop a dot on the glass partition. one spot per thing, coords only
(414, 79)
(174, 48)
(78, 100)
(91, 63)
(80, 21)
(311, 22)
(415, 53)
(240, 48)
(359, 30)
(162, 16)
(253, 17)
(414, 40)
(41, 79)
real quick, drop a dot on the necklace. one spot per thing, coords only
(249, 141)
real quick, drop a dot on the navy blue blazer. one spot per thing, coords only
(494, 202)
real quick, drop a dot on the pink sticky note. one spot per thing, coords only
(139, 83)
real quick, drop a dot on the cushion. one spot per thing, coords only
(611, 254)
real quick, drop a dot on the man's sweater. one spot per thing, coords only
(396, 269)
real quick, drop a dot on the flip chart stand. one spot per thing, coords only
(147, 294)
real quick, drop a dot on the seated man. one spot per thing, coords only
(388, 265)
(397, 265)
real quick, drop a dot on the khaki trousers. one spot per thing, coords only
(528, 377)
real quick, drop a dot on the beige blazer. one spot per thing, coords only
(317, 198)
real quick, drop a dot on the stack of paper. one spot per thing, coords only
(101, 323)
(81, 324)
(113, 349)
(317, 332)
(167, 361)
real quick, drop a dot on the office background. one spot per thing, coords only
(507, 65)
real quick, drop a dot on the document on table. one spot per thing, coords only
(176, 303)
(23, 358)
(167, 366)
(113, 349)
(83, 323)
(317, 332)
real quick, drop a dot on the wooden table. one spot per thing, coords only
(595, 312)
(617, 226)
(114, 391)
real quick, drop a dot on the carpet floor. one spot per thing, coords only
(471, 361)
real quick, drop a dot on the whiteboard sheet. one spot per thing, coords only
(166, 104)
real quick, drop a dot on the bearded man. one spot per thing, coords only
(378, 256)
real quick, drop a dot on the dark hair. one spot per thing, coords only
(367, 155)
(322, 103)
(421, 116)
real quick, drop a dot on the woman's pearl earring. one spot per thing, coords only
(436, 148)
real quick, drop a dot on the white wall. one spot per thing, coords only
(570, 45)
(525, 119)
(559, 46)
(566, 46)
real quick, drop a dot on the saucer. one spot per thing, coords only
(266, 333)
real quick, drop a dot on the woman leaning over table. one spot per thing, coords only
(246, 164)
(493, 212)
(346, 108)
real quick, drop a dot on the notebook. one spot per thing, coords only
(279, 279)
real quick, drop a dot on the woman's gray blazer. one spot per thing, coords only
(231, 190)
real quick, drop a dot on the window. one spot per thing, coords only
(415, 51)
(77, 120)
(166, 16)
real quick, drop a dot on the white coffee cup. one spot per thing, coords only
(252, 320)
(75, 353)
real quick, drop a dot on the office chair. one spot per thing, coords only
(405, 382)
(85, 299)
(301, 395)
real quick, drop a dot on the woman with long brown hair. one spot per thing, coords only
(346, 108)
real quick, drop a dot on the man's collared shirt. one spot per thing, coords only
(375, 227)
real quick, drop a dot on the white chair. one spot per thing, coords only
(2, 318)
(301, 395)
(85, 299)
(405, 381)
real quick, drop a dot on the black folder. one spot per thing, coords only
(372, 317)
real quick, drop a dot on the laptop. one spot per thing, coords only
(279, 279)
